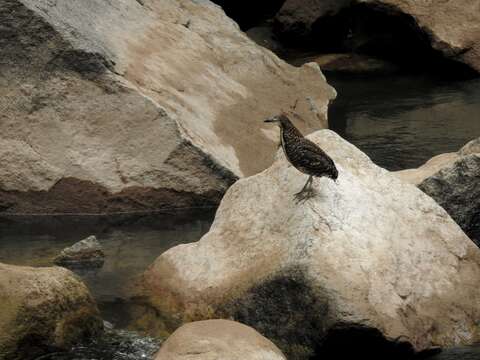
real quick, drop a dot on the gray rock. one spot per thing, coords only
(457, 189)
(371, 263)
(85, 253)
(453, 180)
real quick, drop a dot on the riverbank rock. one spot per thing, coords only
(218, 339)
(453, 180)
(85, 253)
(348, 63)
(42, 310)
(368, 24)
(371, 264)
(137, 105)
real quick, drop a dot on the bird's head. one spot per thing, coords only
(281, 120)
(333, 173)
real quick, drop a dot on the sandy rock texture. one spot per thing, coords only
(452, 27)
(453, 180)
(112, 106)
(218, 339)
(43, 309)
(371, 263)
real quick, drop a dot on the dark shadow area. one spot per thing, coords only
(474, 229)
(354, 342)
(381, 32)
(248, 13)
(276, 308)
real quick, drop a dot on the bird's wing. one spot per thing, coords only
(314, 158)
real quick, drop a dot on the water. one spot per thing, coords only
(130, 245)
(113, 345)
(402, 121)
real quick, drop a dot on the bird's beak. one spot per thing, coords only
(270, 119)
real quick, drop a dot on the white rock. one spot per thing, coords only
(370, 252)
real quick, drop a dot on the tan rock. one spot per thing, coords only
(137, 106)
(371, 255)
(218, 339)
(43, 309)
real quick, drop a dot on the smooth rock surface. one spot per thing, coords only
(453, 180)
(371, 257)
(218, 339)
(87, 252)
(135, 105)
(42, 310)
(452, 26)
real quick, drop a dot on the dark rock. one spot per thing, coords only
(457, 189)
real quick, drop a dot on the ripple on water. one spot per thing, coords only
(114, 345)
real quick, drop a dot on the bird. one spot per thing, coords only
(304, 155)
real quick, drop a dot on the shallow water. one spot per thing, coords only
(130, 245)
(402, 121)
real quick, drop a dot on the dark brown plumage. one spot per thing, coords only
(304, 155)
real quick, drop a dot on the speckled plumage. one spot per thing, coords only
(303, 154)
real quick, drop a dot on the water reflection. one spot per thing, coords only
(130, 245)
(402, 121)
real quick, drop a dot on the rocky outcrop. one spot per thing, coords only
(85, 253)
(218, 339)
(365, 25)
(43, 309)
(136, 105)
(453, 180)
(371, 264)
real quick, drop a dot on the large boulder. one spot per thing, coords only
(453, 180)
(114, 106)
(371, 264)
(450, 27)
(218, 339)
(43, 309)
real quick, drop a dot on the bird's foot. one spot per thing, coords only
(304, 195)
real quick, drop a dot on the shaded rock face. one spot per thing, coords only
(417, 34)
(370, 256)
(43, 309)
(249, 13)
(218, 339)
(85, 253)
(132, 107)
(354, 64)
(453, 180)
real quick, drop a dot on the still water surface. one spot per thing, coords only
(402, 121)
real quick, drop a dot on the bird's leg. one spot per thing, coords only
(306, 192)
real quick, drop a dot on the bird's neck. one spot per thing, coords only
(288, 130)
